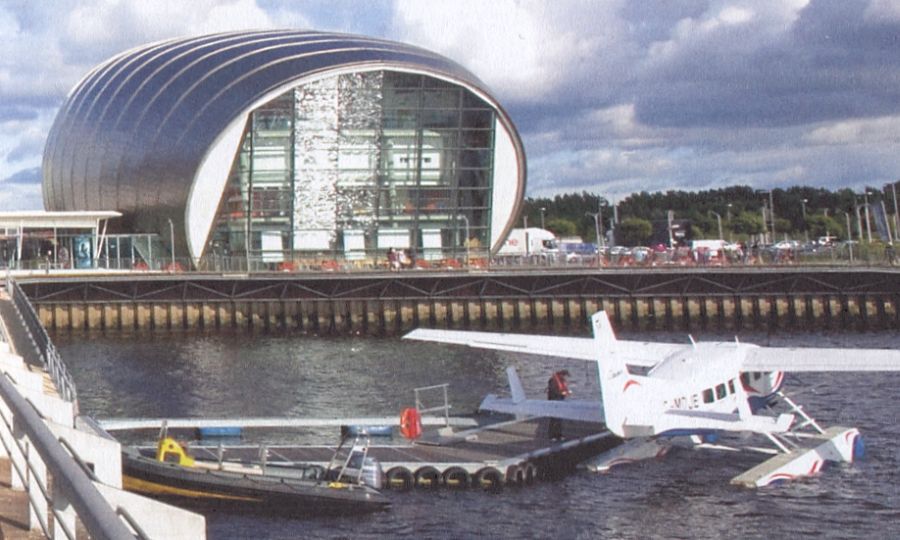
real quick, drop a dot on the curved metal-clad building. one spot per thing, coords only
(284, 144)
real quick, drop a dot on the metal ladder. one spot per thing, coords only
(359, 449)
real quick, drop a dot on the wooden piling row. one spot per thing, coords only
(392, 316)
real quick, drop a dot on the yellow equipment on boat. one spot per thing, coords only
(170, 451)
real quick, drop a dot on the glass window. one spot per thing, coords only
(708, 396)
(440, 118)
(720, 391)
(472, 138)
(478, 119)
(731, 386)
(362, 152)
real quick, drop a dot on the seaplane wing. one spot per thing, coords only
(637, 353)
(568, 347)
(792, 359)
(587, 411)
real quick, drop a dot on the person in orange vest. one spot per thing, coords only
(557, 390)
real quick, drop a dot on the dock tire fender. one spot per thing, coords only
(529, 473)
(514, 475)
(428, 477)
(456, 478)
(400, 478)
(488, 479)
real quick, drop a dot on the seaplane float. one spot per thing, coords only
(657, 395)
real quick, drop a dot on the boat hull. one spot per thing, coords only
(203, 488)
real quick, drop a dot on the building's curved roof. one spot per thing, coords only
(132, 133)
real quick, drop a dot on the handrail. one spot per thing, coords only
(95, 513)
(45, 347)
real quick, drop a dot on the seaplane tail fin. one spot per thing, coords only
(615, 380)
(516, 391)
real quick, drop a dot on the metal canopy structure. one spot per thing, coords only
(52, 235)
(55, 220)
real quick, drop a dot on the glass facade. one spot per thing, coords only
(349, 166)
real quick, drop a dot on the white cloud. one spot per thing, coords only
(884, 130)
(881, 10)
(524, 50)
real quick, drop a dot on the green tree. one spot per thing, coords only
(822, 225)
(562, 227)
(747, 223)
(634, 232)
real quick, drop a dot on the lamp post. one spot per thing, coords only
(805, 230)
(849, 236)
(868, 224)
(771, 225)
(172, 241)
(719, 220)
(765, 223)
(543, 210)
(596, 215)
(896, 212)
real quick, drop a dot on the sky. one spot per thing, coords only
(610, 97)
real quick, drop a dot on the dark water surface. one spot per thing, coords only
(686, 495)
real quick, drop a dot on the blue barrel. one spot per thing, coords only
(216, 432)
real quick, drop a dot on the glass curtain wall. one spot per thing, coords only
(350, 166)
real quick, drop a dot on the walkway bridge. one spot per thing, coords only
(58, 477)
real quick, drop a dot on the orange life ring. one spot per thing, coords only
(410, 423)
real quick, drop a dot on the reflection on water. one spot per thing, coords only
(685, 495)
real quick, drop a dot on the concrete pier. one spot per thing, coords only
(367, 304)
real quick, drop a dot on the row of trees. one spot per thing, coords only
(799, 212)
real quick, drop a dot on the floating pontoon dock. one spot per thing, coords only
(506, 452)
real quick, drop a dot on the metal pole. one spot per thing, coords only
(890, 234)
(805, 230)
(849, 236)
(719, 220)
(596, 216)
(858, 222)
(868, 223)
(527, 249)
(542, 217)
(765, 219)
(772, 213)
(896, 212)
(172, 241)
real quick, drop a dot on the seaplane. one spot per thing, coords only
(657, 395)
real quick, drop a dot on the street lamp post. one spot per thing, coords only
(719, 220)
(172, 241)
(771, 210)
(868, 223)
(805, 229)
(896, 212)
(543, 210)
(596, 215)
(849, 236)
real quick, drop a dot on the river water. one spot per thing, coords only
(685, 495)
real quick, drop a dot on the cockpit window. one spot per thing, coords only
(720, 391)
(731, 386)
(708, 396)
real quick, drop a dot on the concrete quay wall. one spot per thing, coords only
(563, 303)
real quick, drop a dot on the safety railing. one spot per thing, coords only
(47, 351)
(71, 483)
(430, 391)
